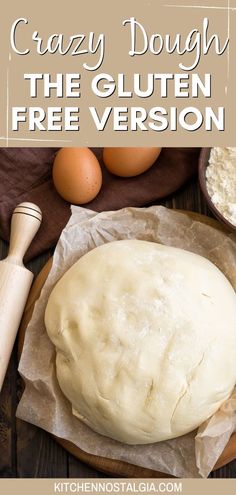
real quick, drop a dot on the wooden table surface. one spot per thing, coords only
(27, 451)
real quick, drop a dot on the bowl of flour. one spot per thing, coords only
(217, 176)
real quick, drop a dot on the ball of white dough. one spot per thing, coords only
(145, 339)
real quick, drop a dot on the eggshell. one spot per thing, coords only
(129, 162)
(77, 175)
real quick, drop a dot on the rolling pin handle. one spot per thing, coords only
(26, 220)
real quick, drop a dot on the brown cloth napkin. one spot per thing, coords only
(25, 175)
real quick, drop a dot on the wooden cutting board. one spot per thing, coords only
(114, 467)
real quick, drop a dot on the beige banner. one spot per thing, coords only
(118, 73)
(114, 486)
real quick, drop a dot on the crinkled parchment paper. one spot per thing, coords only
(44, 405)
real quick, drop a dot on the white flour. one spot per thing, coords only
(221, 181)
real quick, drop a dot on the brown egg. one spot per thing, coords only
(128, 162)
(77, 175)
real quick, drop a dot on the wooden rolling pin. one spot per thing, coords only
(15, 279)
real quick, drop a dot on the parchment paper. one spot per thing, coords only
(43, 404)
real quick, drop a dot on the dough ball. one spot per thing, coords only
(145, 340)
